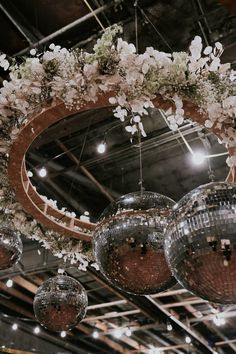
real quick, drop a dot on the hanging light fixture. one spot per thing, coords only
(201, 241)
(128, 243)
(60, 303)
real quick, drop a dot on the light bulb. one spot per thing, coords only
(9, 283)
(101, 148)
(198, 158)
(42, 172)
(188, 340)
(36, 330)
(117, 333)
(218, 321)
(128, 332)
(15, 326)
(95, 334)
(169, 327)
(63, 334)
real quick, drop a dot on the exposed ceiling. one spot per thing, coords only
(167, 25)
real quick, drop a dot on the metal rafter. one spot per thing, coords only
(20, 22)
(71, 25)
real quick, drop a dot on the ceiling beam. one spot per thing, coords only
(70, 26)
(26, 284)
(14, 351)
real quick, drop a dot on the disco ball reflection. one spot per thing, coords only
(200, 242)
(60, 303)
(10, 246)
(128, 243)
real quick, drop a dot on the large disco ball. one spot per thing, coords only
(10, 246)
(200, 242)
(128, 243)
(60, 303)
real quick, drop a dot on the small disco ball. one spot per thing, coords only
(128, 243)
(60, 303)
(10, 246)
(200, 242)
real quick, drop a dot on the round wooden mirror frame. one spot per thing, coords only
(26, 194)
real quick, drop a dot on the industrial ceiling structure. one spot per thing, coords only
(81, 179)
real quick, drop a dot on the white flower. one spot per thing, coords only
(208, 124)
(141, 128)
(112, 100)
(131, 129)
(33, 51)
(232, 76)
(36, 66)
(229, 102)
(207, 50)
(136, 119)
(55, 48)
(231, 161)
(219, 46)
(178, 101)
(196, 48)
(120, 113)
(60, 270)
(90, 70)
(128, 128)
(125, 49)
(215, 64)
(4, 62)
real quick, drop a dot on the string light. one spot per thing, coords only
(63, 334)
(188, 340)
(36, 330)
(95, 334)
(101, 148)
(14, 326)
(42, 172)
(9, 283)
(198, 158)
(117, 333)
(169, 327)
(128, 332)
(218, 321)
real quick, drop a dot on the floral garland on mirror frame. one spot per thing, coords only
(76, 77)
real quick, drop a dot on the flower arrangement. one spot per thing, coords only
(76, 77)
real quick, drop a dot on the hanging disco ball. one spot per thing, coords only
(200, 242)
(60, 303)
(10, 246)
(128, 243)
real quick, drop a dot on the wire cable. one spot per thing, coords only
(94, 14)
